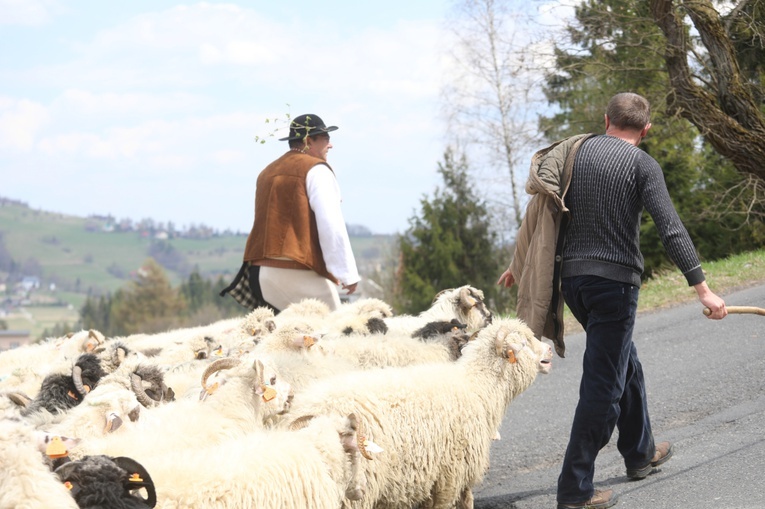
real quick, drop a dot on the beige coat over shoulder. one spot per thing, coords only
(534, 263)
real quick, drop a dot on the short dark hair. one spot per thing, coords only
(302, 142)
(299, 143)
(627, 110)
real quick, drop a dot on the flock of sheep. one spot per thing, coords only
(353, 408)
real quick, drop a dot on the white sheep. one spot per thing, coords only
(313, 310)
(362, 316)
(315, 466)
(102, 413)
(27, 481)
(302, 356)
(179, 345)
(23, 369)
(434, 422)
(466, 304)
(238, 397)
(118, 398)
(390, 349)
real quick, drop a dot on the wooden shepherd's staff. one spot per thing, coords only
(743, 310)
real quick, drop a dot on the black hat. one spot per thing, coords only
(307, 125)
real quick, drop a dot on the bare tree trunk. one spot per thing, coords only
(727, 114)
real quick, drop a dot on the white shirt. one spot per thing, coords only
(324, 199)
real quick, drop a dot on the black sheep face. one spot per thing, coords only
(92, 372)
(100, 481)
(58, 392)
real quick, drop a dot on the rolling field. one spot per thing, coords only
(81, 257)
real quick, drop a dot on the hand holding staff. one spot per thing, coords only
(740, 310)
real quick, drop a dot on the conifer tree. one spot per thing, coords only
(450, 244)
(616, 46)
(149, 304)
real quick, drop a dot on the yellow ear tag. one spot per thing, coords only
(269, 393)
(210, 389)
(511, 357)
(56, 448)
(219, 351)
(308, 341)
(135, 478)
(68, 485)
(72, 395)
(87, 388)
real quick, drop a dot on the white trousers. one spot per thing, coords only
(282, 287)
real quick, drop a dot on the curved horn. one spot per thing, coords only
(19, 399)
(217, 365)
(356, 486)
(260, 377)
(77, 379)
(467, 301)
(301, 422)
(93, 341)
(119, 355)
(136, 383)
(361, 439)
(137, 477)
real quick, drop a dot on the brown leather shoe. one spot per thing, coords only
(601, 499)
(663, 453)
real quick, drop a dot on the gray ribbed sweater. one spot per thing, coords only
(611, 184)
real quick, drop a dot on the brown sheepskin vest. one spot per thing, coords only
(285, 225)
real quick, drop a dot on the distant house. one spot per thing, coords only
(29, 283)
(10, 339)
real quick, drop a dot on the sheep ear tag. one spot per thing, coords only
(367, 447)
(56, 448)
(308, 341)
(74, 489)
(269, 393)
(511, 357)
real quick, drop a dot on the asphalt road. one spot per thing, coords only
(706, 394)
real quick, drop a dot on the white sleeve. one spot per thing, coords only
(324, 198)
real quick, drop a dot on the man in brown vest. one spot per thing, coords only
(298, 247)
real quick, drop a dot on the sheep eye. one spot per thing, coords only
(273, 380)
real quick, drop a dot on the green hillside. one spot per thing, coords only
(82, 256)
(101, 261)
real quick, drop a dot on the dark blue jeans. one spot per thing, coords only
(612, 389)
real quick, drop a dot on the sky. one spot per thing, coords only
(155, 109)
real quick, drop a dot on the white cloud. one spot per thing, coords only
(20, 123)
(25, 12)
(87, 103)
(189, 27)
(176, 96)
(237, 53)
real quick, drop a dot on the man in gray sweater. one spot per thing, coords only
(612, 182)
